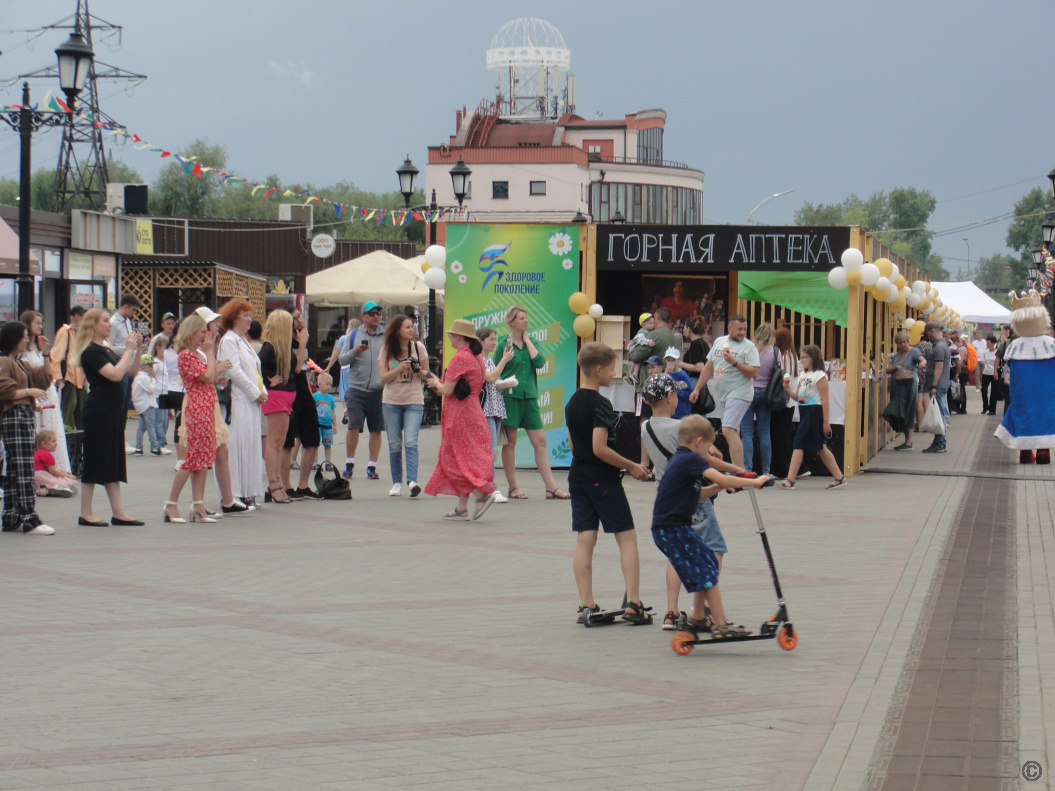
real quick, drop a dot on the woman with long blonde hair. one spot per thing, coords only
(104, 413)
(768, 361)
(277, 369)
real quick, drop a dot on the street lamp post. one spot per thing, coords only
(774, 196)
(966, 242)
(75, 60)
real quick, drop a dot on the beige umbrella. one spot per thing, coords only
(378, 276)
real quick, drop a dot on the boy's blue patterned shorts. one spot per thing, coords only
(695, 562)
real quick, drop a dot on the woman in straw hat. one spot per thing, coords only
(465, 466)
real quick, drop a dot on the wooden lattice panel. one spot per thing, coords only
(183, 277)
(255, 294)
(139, 281)
(226, 284)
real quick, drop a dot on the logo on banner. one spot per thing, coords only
(490, 254)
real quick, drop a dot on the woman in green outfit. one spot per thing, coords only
(522, 405)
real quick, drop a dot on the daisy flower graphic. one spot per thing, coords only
(463, 278)
(566, 263)
(457, 267)
(560, 244)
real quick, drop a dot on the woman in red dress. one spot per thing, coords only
(465, 466)
(198, 431)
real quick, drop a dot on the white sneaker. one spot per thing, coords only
(396, 490)
(804, 474)
(41, 530)
(500, 498)
(165, 452)
(61, 491)
(130, 449)
(415, 488)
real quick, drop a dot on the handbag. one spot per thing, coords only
(776, 396)
(335, 488)
(904, 374)
(704, 402)
(932, 422)
(462, 388)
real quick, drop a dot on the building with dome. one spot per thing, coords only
(534, 160)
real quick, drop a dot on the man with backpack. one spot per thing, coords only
(362, 400)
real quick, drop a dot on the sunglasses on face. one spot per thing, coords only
(373, 313)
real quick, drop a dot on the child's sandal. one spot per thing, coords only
(640, 616)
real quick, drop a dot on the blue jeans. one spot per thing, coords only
(759, 408)
(150, 424)
(402, 422)
(943, 406)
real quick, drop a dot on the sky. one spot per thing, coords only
(823, 98)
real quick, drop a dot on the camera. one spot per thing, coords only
(415, 366)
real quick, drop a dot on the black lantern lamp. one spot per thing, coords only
(460, 180)
(1047, 230)
(407, 173)
(75, 61)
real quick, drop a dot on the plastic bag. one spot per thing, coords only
(932, 422)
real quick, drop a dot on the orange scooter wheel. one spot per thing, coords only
(682, 643)
(786, 641)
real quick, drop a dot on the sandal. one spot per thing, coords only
(519, 494)
(785, 484)
(728, 630)
(640, 616)
(837, 484)
(482, 504)
(457, 515)
(285, 498)
(557, 494)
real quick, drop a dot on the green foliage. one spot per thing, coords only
(902, 208)
(175, 193)
(998, 273)
(1024, 232)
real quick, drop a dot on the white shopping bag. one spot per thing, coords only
(932, 422)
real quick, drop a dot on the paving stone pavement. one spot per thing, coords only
(369, 644)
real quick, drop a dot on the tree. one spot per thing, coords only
(176, 194)
(1024, 232)
(883, 215)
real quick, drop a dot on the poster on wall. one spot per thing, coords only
(686, 296)
(490, 268)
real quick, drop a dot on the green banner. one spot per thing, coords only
(806, 292)
(493, 267)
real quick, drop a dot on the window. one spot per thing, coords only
(537, 188)
(499, 189)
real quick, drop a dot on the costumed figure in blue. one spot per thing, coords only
(1029, 422)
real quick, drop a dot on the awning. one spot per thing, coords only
(378, 276)
(972, 303)
(805, 292)
(9, 252)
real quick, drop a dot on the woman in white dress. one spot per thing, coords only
(247, 395)
(50, 414)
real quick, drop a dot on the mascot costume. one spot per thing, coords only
(1030, 420)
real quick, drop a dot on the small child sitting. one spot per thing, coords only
(689, 478)
(325, 406)
(50, 480)
(681, 382)
(648, 323)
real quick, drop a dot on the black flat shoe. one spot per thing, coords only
(126, 522)
(85, 523)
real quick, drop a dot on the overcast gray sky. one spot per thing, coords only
(826, 98)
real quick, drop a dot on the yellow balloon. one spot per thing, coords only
(584, 325)
(853, 277)
(922, 306)
(881, 296)
(898, 305)
(886, 267)
(900, 282)
(425, 267)
(870, 289)
(579, 303)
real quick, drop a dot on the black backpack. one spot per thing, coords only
(336, 488)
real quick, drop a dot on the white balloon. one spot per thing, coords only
(894, 296)
(919, 287)
(895, 272)
(908, 323)
(435, 278)
(882, 284)
(869, 274)
(913, 300)
(906, 292)
(852, 258)
(595, 311)
(436, 255)
(837, 277)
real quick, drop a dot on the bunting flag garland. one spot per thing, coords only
(1046, 274)
(191, 167)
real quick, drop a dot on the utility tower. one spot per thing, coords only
(80, 177)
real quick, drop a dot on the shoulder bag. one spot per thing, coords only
(335, 488)
(776, 396)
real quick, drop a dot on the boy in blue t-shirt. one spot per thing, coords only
(681, 381)
(325, 406)
(688, 479)
(597, 496)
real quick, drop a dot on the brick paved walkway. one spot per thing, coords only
(369, 644)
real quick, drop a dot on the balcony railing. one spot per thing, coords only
(662, 163)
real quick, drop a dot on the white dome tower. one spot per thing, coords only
(531, 61)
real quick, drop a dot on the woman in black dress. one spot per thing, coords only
(104, 437)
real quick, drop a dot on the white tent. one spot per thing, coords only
(378, 276)
(972, 303)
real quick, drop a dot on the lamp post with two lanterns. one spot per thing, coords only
(75, 61)
(460, 174)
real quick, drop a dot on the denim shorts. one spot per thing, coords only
(733, 411)
(326, 435)
(695, 562)
(604, 503)
(705, 524)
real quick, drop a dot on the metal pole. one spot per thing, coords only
(432, 292)
(968, 257)
(25, 198)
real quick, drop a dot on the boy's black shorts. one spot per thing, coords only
(604, 503)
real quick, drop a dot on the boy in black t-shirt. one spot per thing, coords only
(688, 479)
(597, 495)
